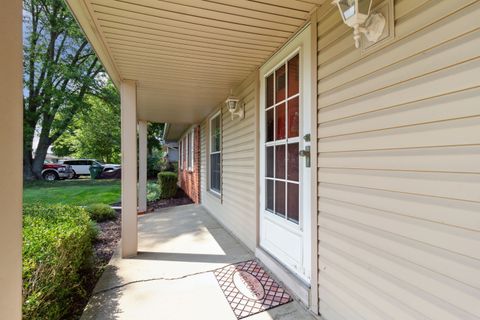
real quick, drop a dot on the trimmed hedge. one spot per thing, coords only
(57, 252)
(168, 184)
(100, 212)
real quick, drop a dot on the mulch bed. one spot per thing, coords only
(179, 199)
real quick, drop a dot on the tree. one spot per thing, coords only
(154, 137)
(93, 133)
(60, 71)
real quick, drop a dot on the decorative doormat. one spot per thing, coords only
(249, 289)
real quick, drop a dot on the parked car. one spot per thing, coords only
(81, 167)
(56, 171)
(110, 166)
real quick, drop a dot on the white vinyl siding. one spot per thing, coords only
(236, 208)
(398, 166)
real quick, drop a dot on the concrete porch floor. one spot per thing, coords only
(170, 279)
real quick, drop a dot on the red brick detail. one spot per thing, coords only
(190, 179)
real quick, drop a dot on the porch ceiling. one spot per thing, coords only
(187, 54)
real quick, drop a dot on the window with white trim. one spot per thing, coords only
(180, 151)
(191, 150)
(215, 153)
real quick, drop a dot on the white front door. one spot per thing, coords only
(285, 215)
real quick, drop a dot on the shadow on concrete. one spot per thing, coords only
(105, 305)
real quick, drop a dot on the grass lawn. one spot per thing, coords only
(79, 192)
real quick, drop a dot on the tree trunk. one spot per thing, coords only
(28, 135)
(27, 164)
(40, 155)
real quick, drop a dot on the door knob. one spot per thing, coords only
(306, 153)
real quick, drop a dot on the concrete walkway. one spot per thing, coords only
(170, 279)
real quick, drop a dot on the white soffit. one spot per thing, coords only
(186, 55)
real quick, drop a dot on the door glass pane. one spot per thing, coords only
(293, 76)
(293, 118)
(293, 202)
(280, 162)
(215, 134)
(282, 126)
(269, 93)
(280, 121)
(280, 84)
(269, 162)
(280, 198)
(292, 164)
(269, 125)
(269, 195)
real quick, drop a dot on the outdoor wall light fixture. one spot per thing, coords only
(356, 14)
(235, 106)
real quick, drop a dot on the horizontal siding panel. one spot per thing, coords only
(451, 106)
(333, 308)
(369, 291)
(342, 288)
(455, 159)
(451, 79)
(455, 213)
(444, 82)
(440, 261)
(449, 53)
(463, 241)
(412, 278)
(459, 132)
(454, 186)
(410, 302)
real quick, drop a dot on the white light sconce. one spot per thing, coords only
(356, 14)
(235, 106)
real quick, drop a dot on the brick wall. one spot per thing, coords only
(189, 180)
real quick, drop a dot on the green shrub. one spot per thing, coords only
(168, 184)
(174, 166)
(101, 212)
(57, 252)
(153, 191)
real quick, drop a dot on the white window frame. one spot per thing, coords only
(216, 192)
(191, 150)
(181, 153)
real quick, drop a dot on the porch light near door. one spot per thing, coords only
(235, 106)
(356, 14)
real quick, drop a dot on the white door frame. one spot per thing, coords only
(302, 44)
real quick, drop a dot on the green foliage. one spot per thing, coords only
(57, 250)
(101, 212)
(93, 133)
(154, 163)
(174, 166)
(168, 184)
(60, 71)
(153, 191)
(154, 136)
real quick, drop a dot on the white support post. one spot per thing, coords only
(142, 166)
(11, 144)
(128, 93)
